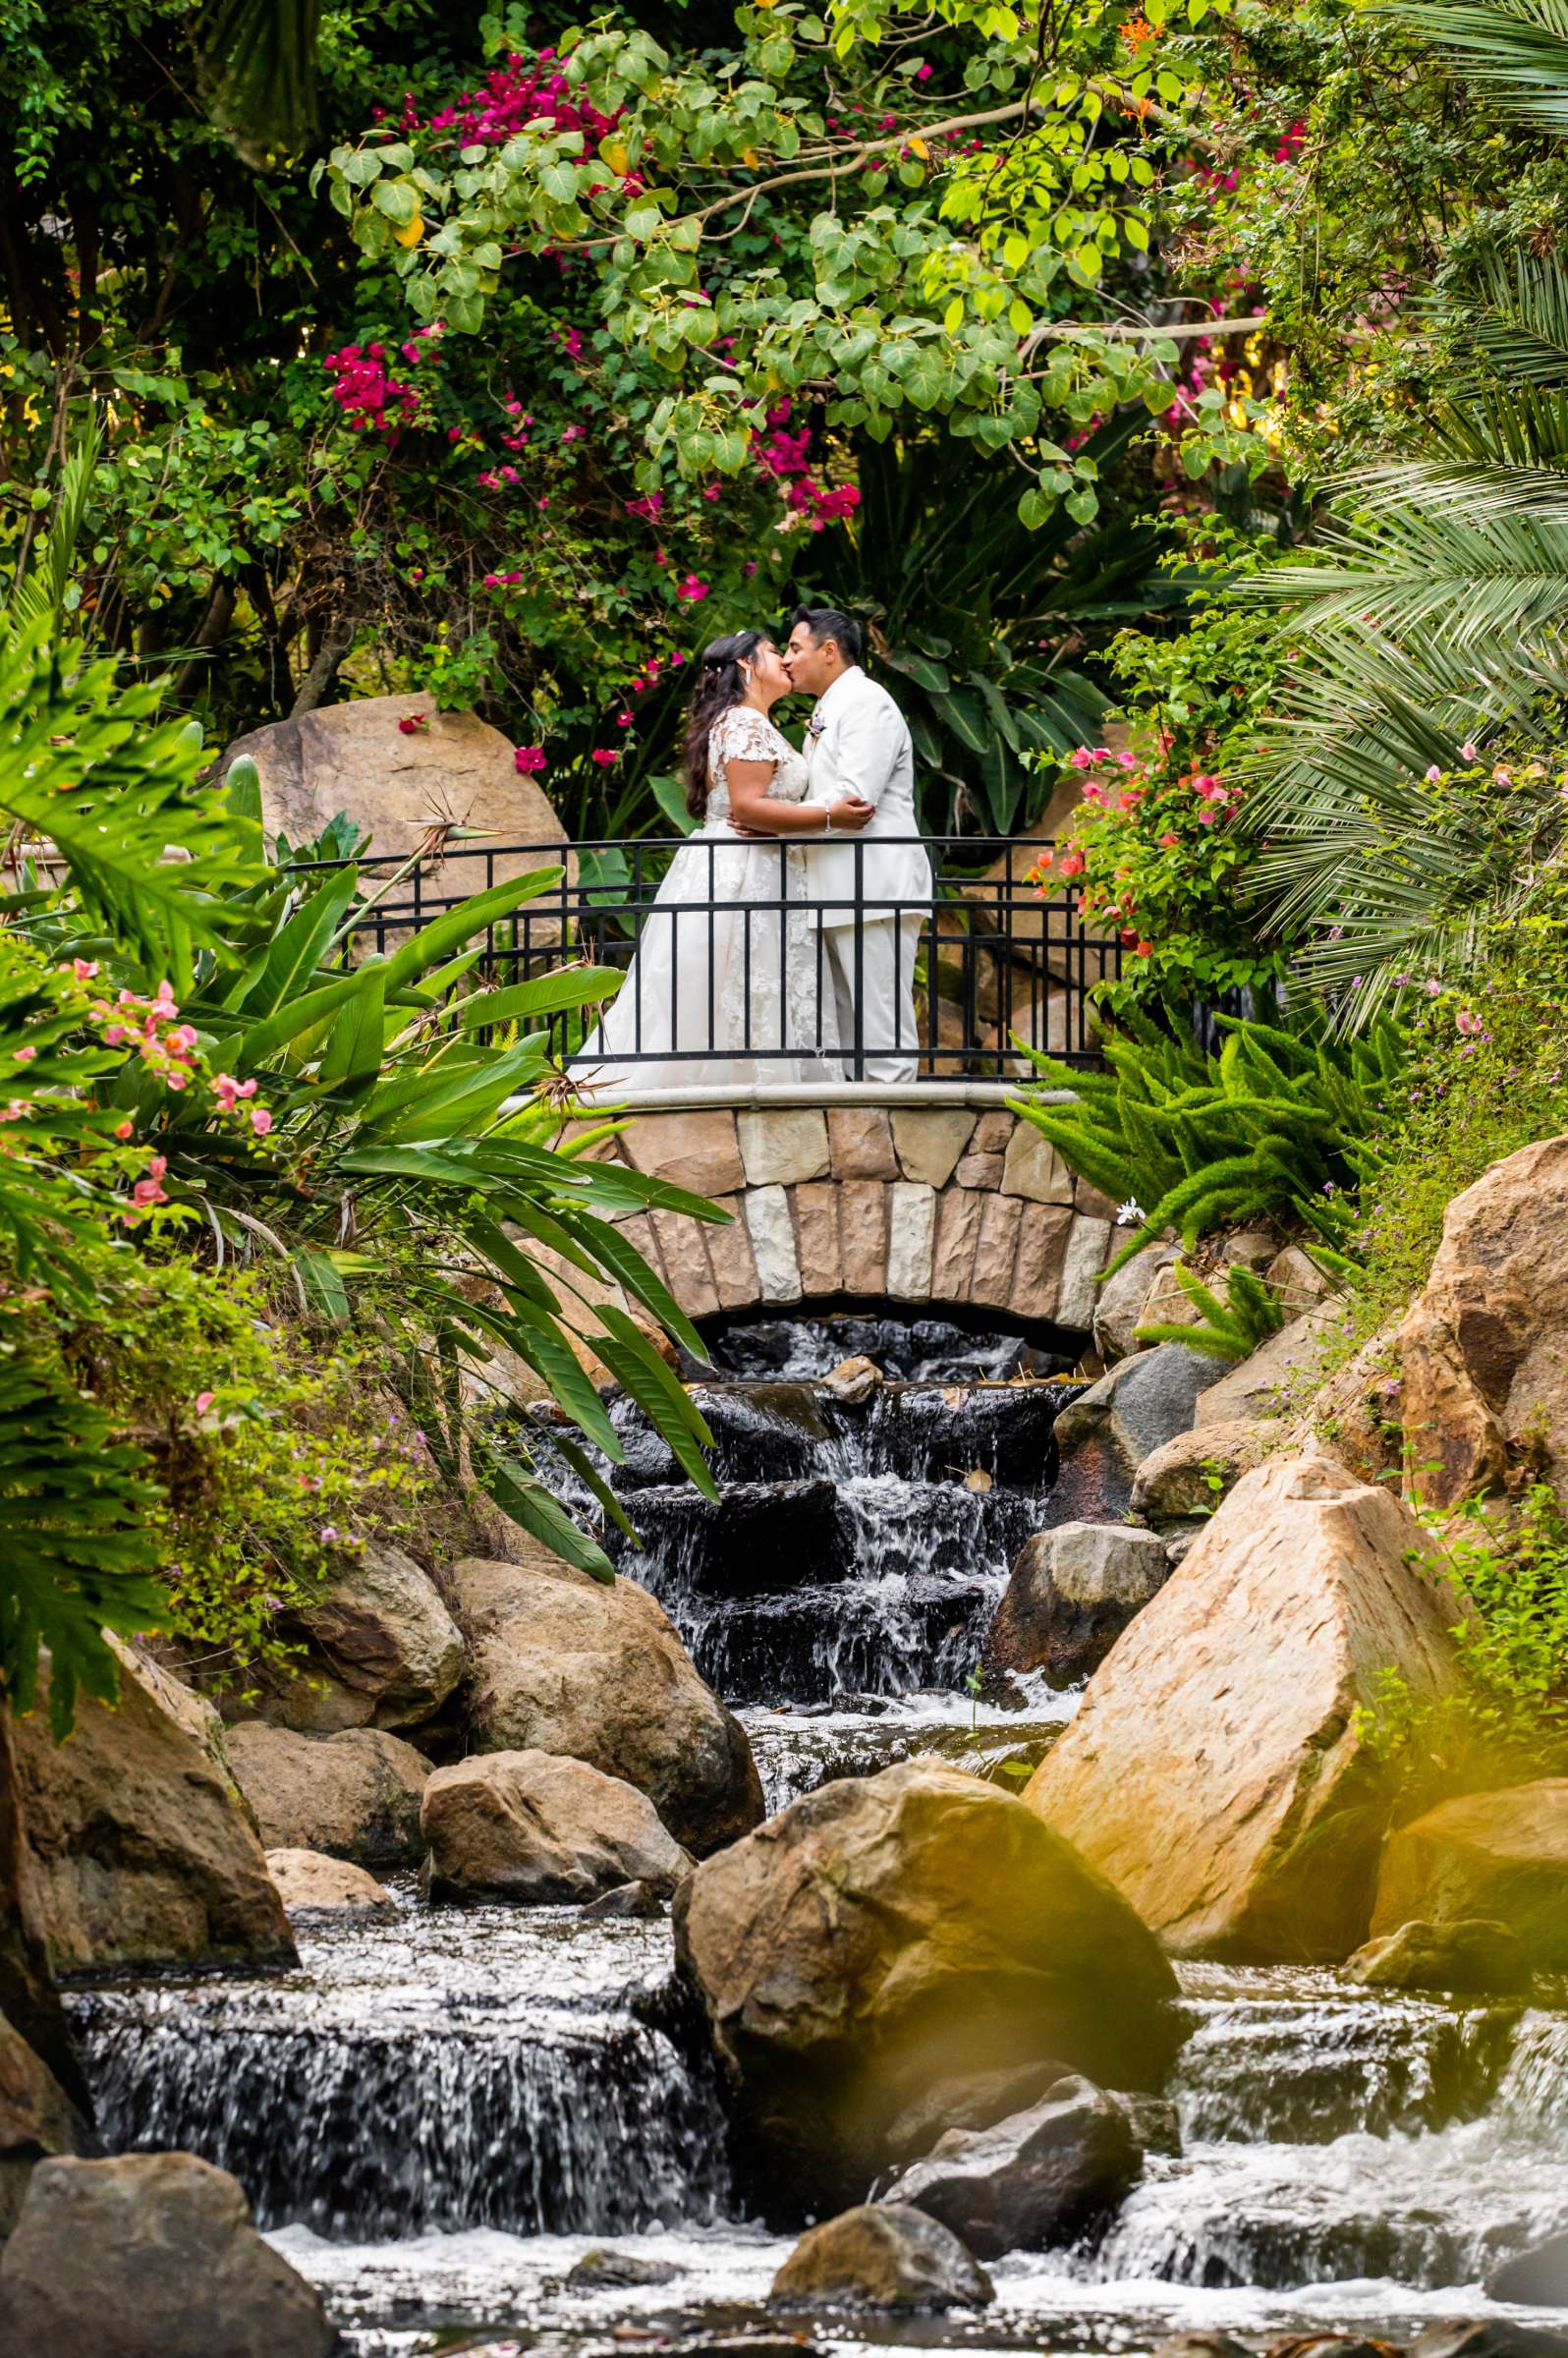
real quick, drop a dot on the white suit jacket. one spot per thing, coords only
(858, 742)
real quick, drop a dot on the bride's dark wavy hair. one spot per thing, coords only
(719, 687)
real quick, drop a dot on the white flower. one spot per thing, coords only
(1128, 1215)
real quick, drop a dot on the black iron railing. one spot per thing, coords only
(985, 956)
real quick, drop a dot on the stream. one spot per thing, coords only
(442, 2111)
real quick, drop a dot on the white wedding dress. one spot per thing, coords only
(727, 981)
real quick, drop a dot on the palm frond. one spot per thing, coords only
(38, 592)
(1515, 49)
(257, 65)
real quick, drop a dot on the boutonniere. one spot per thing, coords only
(815, 725)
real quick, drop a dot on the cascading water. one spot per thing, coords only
(442, 2110)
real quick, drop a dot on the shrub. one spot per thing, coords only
(1230, 1329)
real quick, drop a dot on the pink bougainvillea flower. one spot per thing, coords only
(623, 721)
(1502, 777)
(1468, 752)
(261, 1120)
(1168, 841)
(528, 759)
(1127, 761)
(1432, 775)
(203, 1401)
(923, 73)
(1470, 1025)
(692, 590)
(150, 1191)
(122, 1130)
(84, 969)
(26, 1055)
(606, 756)
(1081, 758)
(410, 724)
(1143, 949)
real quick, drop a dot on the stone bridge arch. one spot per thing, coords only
(927, 1196)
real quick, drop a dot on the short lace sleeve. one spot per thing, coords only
(743, 734)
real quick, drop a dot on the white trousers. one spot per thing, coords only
(885, 1027)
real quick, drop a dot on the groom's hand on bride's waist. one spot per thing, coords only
(850, 814)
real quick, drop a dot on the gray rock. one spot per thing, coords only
(1032, 2180)
(881, 2256)
(628, 1900)
(972, 2101)
(1154, 2122)
(1104, 1434)
(1473, 1953)
(1535, 2280)
(537, 1827)
(150, 2256)
(604, 2270)
(1120, 1302)
(382, 1650)
(1070, 1594)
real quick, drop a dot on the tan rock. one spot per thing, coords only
(863, 1229)
(979, 1170)
(958, 1222)
(638, 1230)
(382, 1649)
(911, 1241)
(930, 1142)
(1355, 1411)
(355, 1795)
(853, 1379)
(779, 1149)
(772, 1235)
(140, 1853)
(542, 1828)
(1089, 1200)
(1503, 1856)
(36, 2119)
(885, 1928)
(996, 1252)
(1218, 1771)
(1121, 1302)
(861, 1143)
(881, 2256)
(1470, 1954)
(1035, 1169)
(1192, 1473)
(687, 1271)
(1484, 1375)
(565, 1664)
(1042, 1235)
(730, 1256)
(992, 1133)
(1297, 1281)
(816, 1206)
(455, 771)
(1280, 1376)
(695, 1150)
(1089, 1245)
(308, 1878)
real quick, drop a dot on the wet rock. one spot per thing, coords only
(881, 2256)
(882, 1930)
(1154, 2122)
(309, 1880)
(140, 1852)
(1278, 1377)
(382, 1650)
(1195, 1469)
(36, 2119)
(150, 2256)
(1471, 1956)
(1331, 2345)
(1217, 1770)
(853, 1379)
(1035, 2179)
(1488, 2337)
(1069, 1596)
(1199, 2344)
(633, 1900)
(977, 2102)
(1533, 2280)
(755, 1538)
(355, 1795)
(1119, 1305)
(1105, 1434)
(565, 1664)
(542, 1828)
(605, 2270)
(1503, 1856)
(1480, 1351)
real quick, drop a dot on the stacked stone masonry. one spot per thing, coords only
(940, 1204)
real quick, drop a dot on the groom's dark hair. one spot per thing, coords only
(831, 622)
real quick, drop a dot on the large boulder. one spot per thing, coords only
(538, 1826)
(1032, 2181)
(382, 1650)
(886, 1930)
(1188, 1477)
(1473, 1954)
(1537, 2278)
(140, 1852)
(453, 769)
(309, 1882)
(1279, 1376)
(1483, 1369)
(1218, 1771)
(355, 1795)
(563, 1663)
(150, 2256)
(1500, 1855)
(36, 2119)
(1069, 1596)
(1122, 1301)
(881, 2256)
(1105, 1433)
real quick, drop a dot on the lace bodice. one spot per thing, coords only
(743, 734)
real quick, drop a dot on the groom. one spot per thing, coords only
(858, 744)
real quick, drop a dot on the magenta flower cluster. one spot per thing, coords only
(371, 399)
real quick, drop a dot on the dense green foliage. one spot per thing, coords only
(1232, 1327)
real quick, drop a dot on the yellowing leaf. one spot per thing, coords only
(918, 147)
(411, 231)
(748, 155)
(614, 152)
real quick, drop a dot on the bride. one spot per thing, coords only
(729, 963)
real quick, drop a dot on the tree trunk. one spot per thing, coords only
(318, 682)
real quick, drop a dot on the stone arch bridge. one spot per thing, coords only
(935, 1197)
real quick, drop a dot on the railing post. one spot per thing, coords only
(860, 960)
